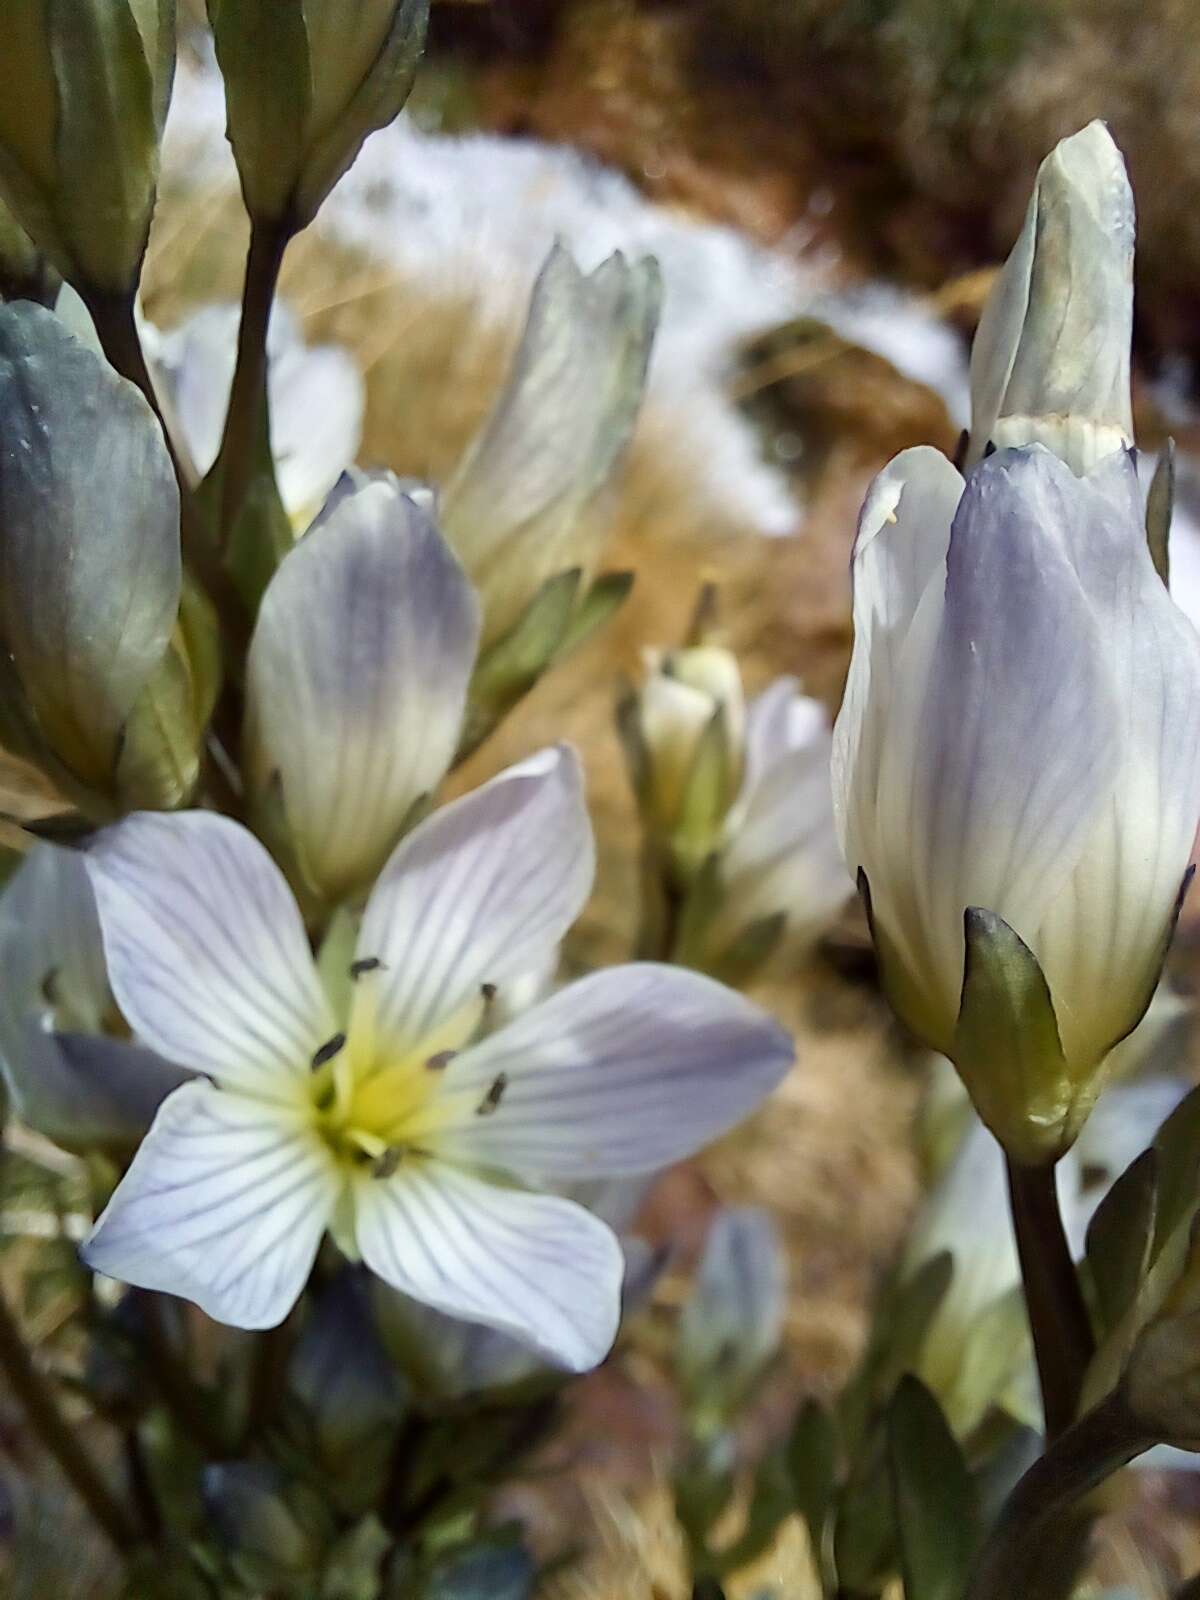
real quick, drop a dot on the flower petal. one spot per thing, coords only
(224, 1204)
(479, 893)
(357, 678)
(532, 1265)
(207, 954)
(83, 1091)
(627, 1070)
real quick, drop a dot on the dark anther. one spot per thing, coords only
(50, 987)
(489, 992)
(493, 1097)
(384, 1166)
(989, 449)
(441, 1061)
(960, 449)
(367, 964)
(328, 1050)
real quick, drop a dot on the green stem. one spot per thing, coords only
(1058, 1319)
(61, 1438)
(1106, 1439)
(174, 1384)
(248, 395)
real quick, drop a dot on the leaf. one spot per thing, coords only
(864, 1534)
(812, 1461)
(1120, 1239)
(933, 1494)
(597, 608)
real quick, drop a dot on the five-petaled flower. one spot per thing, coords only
(420, 1137)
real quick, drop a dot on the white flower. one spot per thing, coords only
(356, 680)
(780, 854)
(522, 505)
(393, 1126)
(316, 398)
(1050, 363)
(1020, 734)
(69, 1077)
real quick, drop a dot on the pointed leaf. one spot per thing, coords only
(934, 1496)
(1120, 1238)
(812, 1459)
(1160, 503)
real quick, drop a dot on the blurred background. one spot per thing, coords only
(829, 185)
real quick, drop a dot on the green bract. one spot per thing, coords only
(84, 86)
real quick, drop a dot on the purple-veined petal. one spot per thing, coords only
(533, 1265)
(84, 1091)
(478, 893)
(626, 1071)
(357, 678)
(207, 954)
(224, 1204)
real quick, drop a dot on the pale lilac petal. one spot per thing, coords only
(479, 893)
(532, 1265)
(207, 953)
(357, 679)
(626, 1071)
(224, 1204)
(84, 1091)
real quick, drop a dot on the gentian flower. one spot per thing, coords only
(404, 1127)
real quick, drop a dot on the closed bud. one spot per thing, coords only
(524, 506)
(89, 552)
(690, 726)
(1017, 771)
(1050, 364)
(83, 97)
(305, 82)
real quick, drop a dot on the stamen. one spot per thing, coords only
(493, 1097)
(388, 1162)
(328, 1050)
(363, 965)
(489, 992)
(440, 1061)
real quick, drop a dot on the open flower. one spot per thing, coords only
(1017, 770)
(315, 392)
(397, 1126)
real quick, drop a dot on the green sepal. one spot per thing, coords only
(201, 630)
(1006, 1044)
(633, 743)
(159, 762)
(508, 669)
(595, 610)
(262, 533)
(1160, 503)
(262, 51)
(747, 955)
(352, 1566)
(708, 792)
(933, 1495)
(864, 1531)
(901, 994)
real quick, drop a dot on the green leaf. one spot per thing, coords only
(864, 1534)
(1006, 1044)
(812, 1461)
(933, 1493)
(1160, 503)
(1120, 1239)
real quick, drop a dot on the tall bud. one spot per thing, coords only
(83, 97)
(1050, 364)
(305, 82)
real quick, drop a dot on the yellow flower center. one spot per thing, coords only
(378, 1100)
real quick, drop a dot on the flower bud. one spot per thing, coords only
(690, 719)
(1017, 771)
(83, 97)
(89, 552)
(522, 509)
(1050, 364)
(305, 82)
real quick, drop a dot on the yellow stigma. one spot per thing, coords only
(377, 1099)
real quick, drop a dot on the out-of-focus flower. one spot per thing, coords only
(315, 394)
(1050, 364)
(732, 1324)
(690, 717)
(1017, 765)
(393, 1126)
(71, 1075)
(522, 508)
(305, 82)
(356, 681)
(90, 573)
(83, 98)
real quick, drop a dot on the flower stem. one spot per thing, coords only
(1106, 1439)
(61, 1438)
(248, 395)
(1058, 1319)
